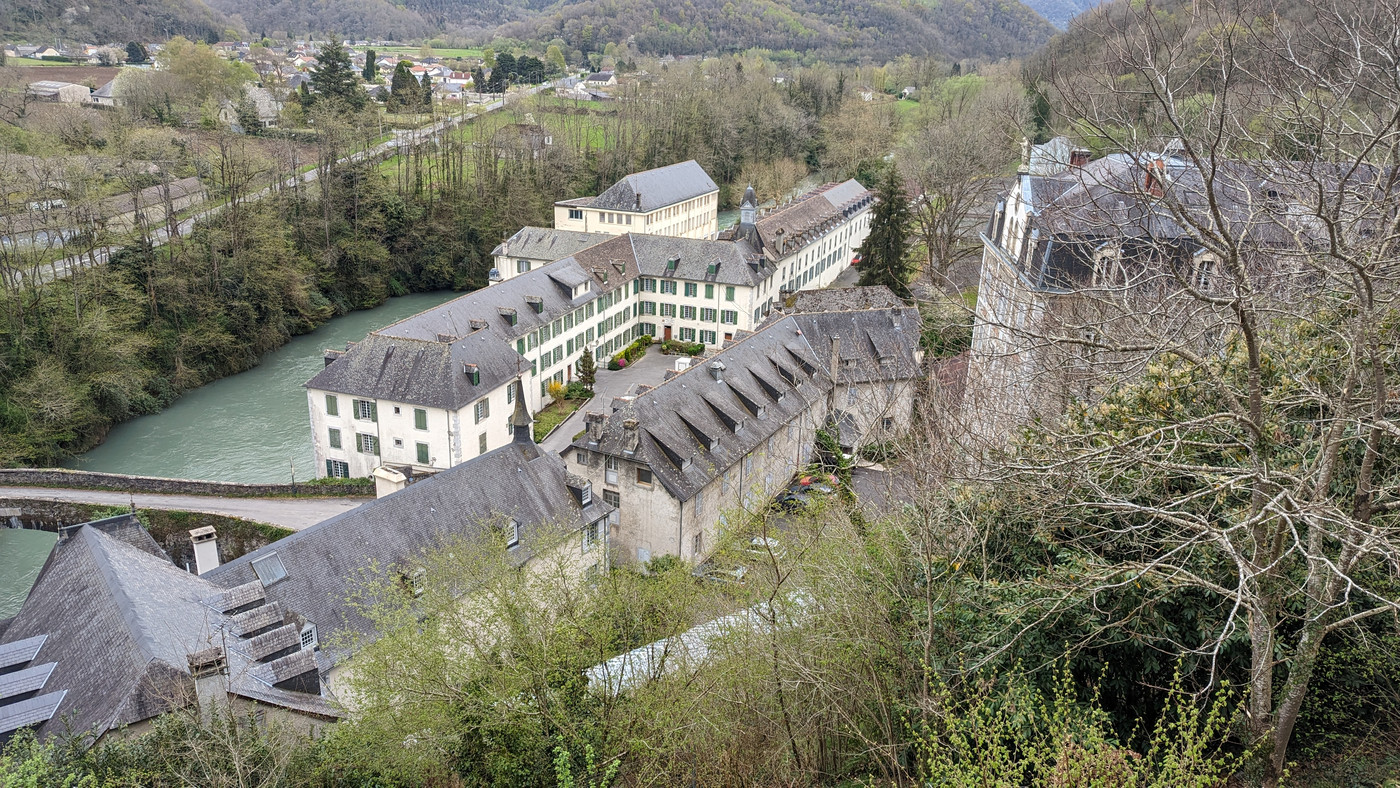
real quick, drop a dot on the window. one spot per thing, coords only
(521, 266)
(269, 568)
(691, 289)
(558, 355)
(668, 286)
(728, 294)
(365, 410)
(308, 637)
(513, 533)
(699, 503)
(687, 335)
(709, 291)
(420, 418)
(668, 310)
(698, 541)
(423, 454)
(688, 312)
(593, 535)
(334, 438)
(398, 443)
(707, 337)
(850, 395)
(707, 315)
(332, 405)
(729, 316)
(575, 213)
(366, 444)
(649, 285)
(644, 477)
(481, 411)
(337, 469)
(481, 443)
(610, 471)
(612, 498)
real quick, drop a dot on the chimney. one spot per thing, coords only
(1156, 178)
(639, 201)
(593, 423)
(332, 355)
(206, 549)
(717, 371)
(388, 481)
(630, 438)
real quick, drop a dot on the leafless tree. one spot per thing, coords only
(1216, 305)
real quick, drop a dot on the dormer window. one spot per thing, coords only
(513, 534)
(473, 374)
(510, 315)
(269, 568)
(536, 303)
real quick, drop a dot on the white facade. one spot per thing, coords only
(697, 217)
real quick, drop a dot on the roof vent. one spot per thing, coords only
(717, 371)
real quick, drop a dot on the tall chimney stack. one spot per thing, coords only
(206, 549)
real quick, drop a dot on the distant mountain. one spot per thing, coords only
(831, 29)
(838, 30)
(93, 21)
(1059, 12)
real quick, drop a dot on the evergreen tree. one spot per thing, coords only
(882, 256)
(136, 52)
(505, 64)
(335, 78)
(371, 71)
(587, 369)
(427, 93)
(403, 88)
(478, 80)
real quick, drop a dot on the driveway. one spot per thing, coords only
(649, 369)
(293, 513)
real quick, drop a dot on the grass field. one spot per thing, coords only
(461, 54)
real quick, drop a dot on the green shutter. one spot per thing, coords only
(374, 412)
(422, 454)
(332, 405)
(420, 419)
(335, 438)
(359, 443)
(709, 291)
(330, 469)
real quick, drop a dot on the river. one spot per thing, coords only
(251, 427)
(22, 555)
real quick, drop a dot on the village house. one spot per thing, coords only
(728, 433)
(113, 634)
(104, 96)
(601, 79)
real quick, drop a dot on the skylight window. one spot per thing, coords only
(269, 568)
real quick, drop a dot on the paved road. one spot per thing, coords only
(402, 138)
(649, 369)
(293, 513)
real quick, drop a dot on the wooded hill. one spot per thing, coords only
(836, 30)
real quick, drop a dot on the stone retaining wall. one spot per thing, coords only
(88, 480)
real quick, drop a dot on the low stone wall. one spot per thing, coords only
(88, 480)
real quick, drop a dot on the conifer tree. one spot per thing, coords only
(371, 71)
(883, 258)
(335, 78)
(587, 369)
(427, 93)
(403, 88)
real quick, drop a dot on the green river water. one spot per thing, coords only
(251, 427)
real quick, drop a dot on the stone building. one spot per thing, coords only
(729, 433)
(678, 199)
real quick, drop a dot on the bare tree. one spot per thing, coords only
(1216, 305)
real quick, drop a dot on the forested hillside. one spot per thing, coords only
(1059, 12)
(831, 29)
(836, 30)
(108, 20)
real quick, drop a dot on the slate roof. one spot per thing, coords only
(843, 299)
(326, 563)
(694, 427)
(544, 243)
(736, 262)
(1270, 203)
(789, 227)
(106, 90)
(643, 192)
(119, 623)
(420, 372)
